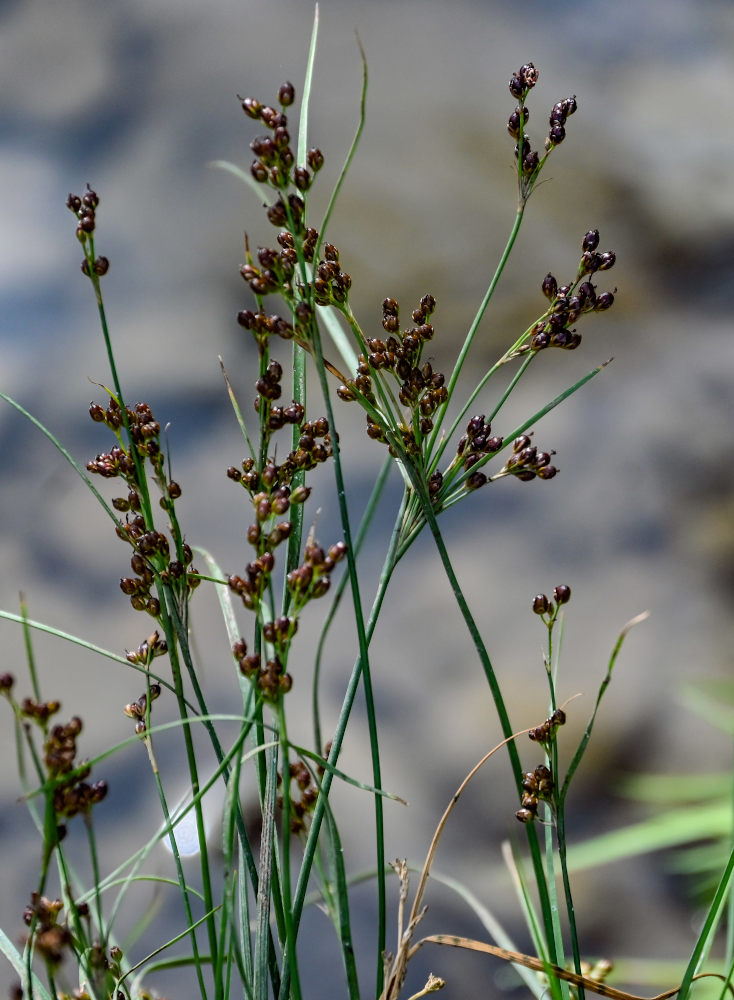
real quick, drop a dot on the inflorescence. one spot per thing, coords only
(151, 560)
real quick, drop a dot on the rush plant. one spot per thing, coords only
(240, 919)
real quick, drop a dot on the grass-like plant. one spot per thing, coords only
(240, 921)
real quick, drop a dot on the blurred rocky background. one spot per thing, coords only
(136, 97)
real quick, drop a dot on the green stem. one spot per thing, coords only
(96, 876)
(193, 772)
(336, 744)
(501, 709)
(364, 658)
(290, 935)
(435, 436)
(296, 512)
(358, 542)
(570, 909)
(267, 868)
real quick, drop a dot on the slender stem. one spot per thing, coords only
(570, 909)
(364, 526)
(266, 870)
(96, 876)
(181, 879)
(352, 687)
(296, 511)
(474, 327)
(364, 658)
(192, 765)
(290, 934)
(500, 403)
(501, 713)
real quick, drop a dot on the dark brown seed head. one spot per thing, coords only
(286, 94)
(590, 240)
(541, 604)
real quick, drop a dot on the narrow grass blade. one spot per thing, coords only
(237, 411)
(352, 148)
(668, 829)
(584, 742)
(364, 526)
(539, 414)
(146, 966)
(335, 856)
(69, 458)
(306, 101)
(338, 334)
(710, 926)
(224, 595)
(531, 918)
(83, 644)
(267, 864)
(363, 786)
(19, 964)
(242, 175)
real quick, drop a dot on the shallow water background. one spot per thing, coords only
(137, 98)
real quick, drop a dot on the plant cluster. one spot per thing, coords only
(240, 926)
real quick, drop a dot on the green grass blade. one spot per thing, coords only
(242, 175)
(665, 829)
(18, 962)
(364, 525)
(335, 772)
(267, 863)
(584, 742)
(539, 414)
(83, 644)
(469, 339)
(237, 411)
(340, 337)
(705, 939)
(335, 856)
(540, 942)
(69, 458)
(306, 101)
(352, 148)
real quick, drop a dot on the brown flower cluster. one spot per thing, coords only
(302, 803)
(52, 937)
(545, 733)
(305, 583)
(421, 390)
(526, 462)
(569, 302)
(72, 794)
(543, 606)
(331, 285)
(476, 445)
(85, 209)
(521, 83)
(139, 709)
(312, 579)
(287, 270)
(275, 163)
(537, 785)
(271, 679)
(152, 557)
(148, 649)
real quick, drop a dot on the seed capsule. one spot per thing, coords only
(286, 94)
